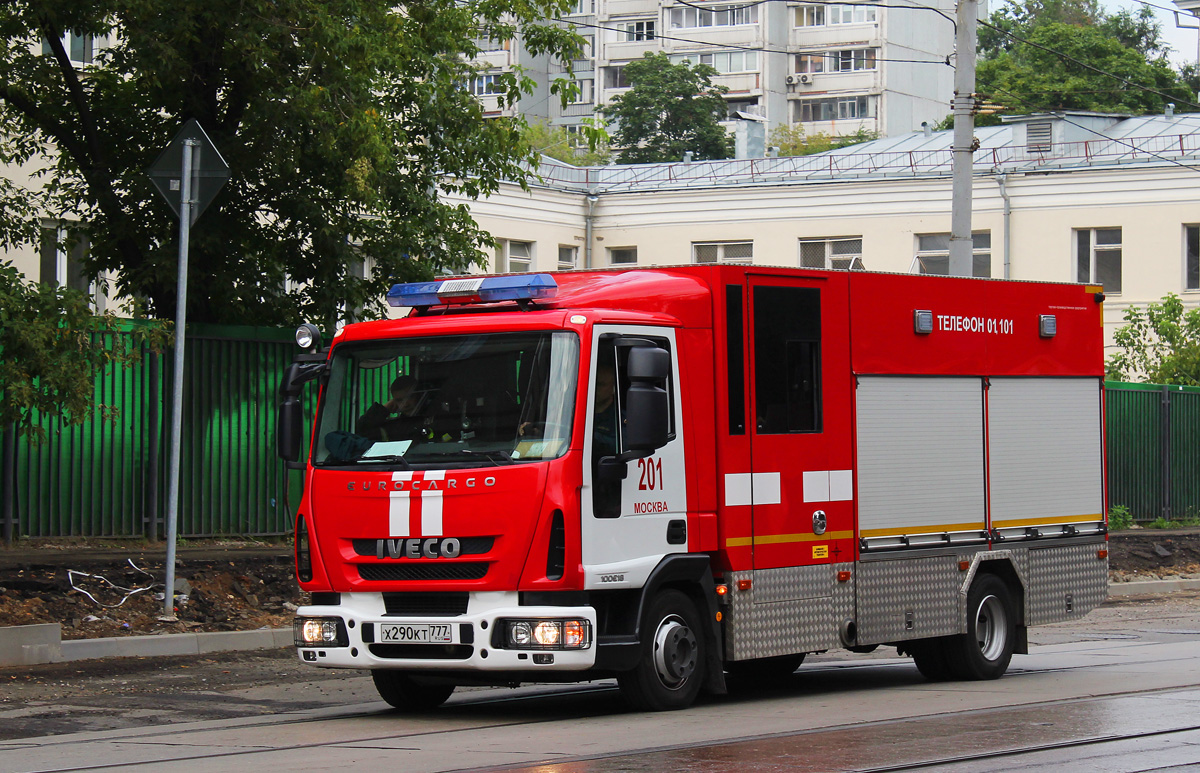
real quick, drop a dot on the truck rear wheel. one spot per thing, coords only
(985, 650)
(930, 657)
(409, 693)
(670, 671)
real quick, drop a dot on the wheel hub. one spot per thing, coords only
(991, 627)
(675, 650)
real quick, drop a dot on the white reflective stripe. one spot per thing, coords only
(431, 506)
(738, 489)
(829, 485)
(766, 488)
(816, 486)
(398, 507)
(841, 485)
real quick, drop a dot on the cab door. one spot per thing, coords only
(802, 483)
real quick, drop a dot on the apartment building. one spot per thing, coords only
(834, 69)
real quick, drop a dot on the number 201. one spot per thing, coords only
(651, 477)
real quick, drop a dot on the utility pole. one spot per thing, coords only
(961, 244)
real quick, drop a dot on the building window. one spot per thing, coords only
(851, 14)
(810, 63)
(723, 252)
(614, 78)
(513, 257)
(483, 85)
(622, 256)
(834, 109)
(717, 16)
(1098, 257)
(852, 60)
(933, 254)
(62, 252)
(585, 92)
(723, 61)
(810, 16)
(842, 254)
(582, 7)
(80, 48)
(568, 255)
(1191, 258)
(635, 31)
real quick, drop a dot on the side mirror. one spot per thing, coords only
(647, 423)
(289, 428)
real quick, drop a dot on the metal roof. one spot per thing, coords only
(1156, 139)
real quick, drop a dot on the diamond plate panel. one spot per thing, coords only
(1056, 572)
(789, 610)
(908, 599)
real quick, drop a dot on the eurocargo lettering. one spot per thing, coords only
(677, 476)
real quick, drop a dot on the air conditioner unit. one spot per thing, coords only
(791, 80)
(806, 78)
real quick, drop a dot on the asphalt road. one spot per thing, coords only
(1118, 690)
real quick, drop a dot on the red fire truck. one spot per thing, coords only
(672, 475)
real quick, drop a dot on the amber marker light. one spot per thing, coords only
(722, 590)
(1101, 553)
(843, 576)
(744, 584)
(964, 566)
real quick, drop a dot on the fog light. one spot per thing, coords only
(319, 631)
(519, 633)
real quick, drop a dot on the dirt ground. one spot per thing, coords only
(232, 586)
(101, 591)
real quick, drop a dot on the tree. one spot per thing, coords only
(1053, 54)
(792, 141)
(1160, 343)
(342, 121)
(587, 148)
(669, 109)
(49, 353)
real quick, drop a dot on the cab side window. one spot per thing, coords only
(787, 359)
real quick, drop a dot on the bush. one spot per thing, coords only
(1119, 518)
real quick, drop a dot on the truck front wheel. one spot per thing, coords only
(670, 671)
(409, 693)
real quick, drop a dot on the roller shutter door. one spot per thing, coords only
(1046, 460)
(920, 455)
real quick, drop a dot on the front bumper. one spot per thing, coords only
(362, 614)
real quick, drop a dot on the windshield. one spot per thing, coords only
(449, 401)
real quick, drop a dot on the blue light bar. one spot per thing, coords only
(479, 289)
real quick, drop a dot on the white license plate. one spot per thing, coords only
(432, 633)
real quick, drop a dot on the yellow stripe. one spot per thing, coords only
(779, 539)
(1089, 517)
(896, 532)
(1093, 288)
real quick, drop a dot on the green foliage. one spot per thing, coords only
(588, 148)
(792, 141)
(340, 120)
(51, 348)
(1160, 343)
(669, 109)
(1119, 518)
(1164, 523)
(1026, 72)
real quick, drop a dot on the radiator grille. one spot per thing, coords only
(425, 604)
(422, 651)
(470, 546)
(416, 572)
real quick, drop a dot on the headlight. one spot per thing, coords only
(308, 337)
(548, 634)
(319, 632)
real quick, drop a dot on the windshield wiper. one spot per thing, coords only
(496, 457)
(389, 459)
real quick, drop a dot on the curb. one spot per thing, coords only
(32, 645)
(1146, 587)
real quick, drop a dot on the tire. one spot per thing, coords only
(985, 650)
(765, 670)
(930, 657)
(670, 671)
(408, 693)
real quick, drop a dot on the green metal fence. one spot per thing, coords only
(108, 479)
(1154, 450)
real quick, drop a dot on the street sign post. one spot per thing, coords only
(188, 174)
